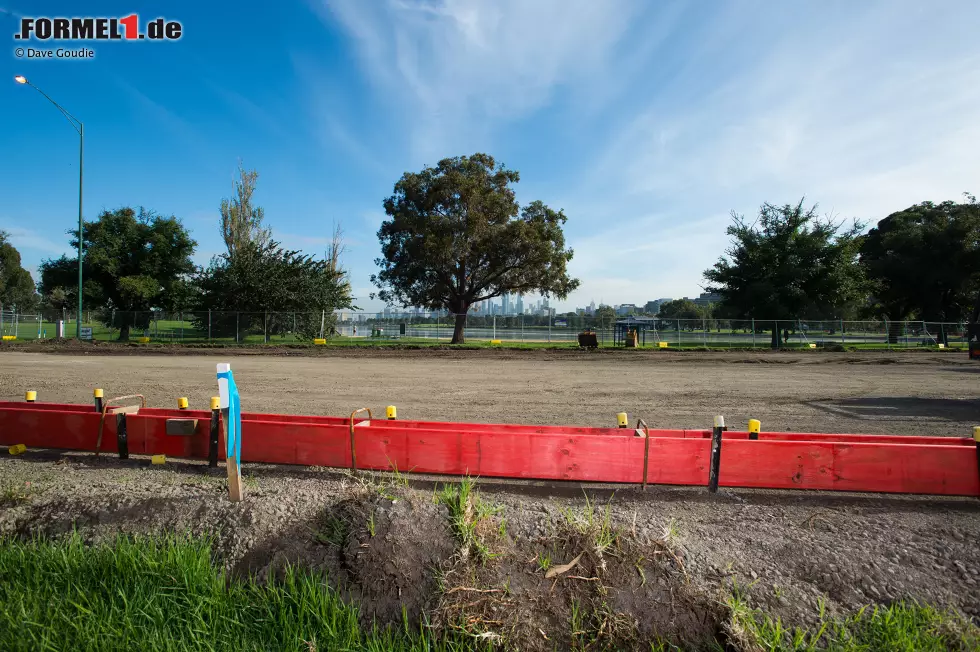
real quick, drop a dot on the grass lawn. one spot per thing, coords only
(164, 594)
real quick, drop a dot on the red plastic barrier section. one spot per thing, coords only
(778, 460)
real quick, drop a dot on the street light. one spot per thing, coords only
(80, 128)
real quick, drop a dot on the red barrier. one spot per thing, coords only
(778, 460)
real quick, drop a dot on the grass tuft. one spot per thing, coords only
(467, 515)
(906, 625)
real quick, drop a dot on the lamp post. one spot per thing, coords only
(80, 128)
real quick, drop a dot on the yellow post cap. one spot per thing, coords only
(98, 393)
(215, 402)
(17, 449)
(158, 459)
(391, 412)
(755, 426)
(622, 419)
(182, 402)
(976, 433)
(30, 396)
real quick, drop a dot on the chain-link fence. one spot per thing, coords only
(363, 327)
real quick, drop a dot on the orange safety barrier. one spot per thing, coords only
(778, 460)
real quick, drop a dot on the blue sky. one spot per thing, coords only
(647, 122)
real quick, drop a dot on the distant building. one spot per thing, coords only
(627, 309)
(708, 298)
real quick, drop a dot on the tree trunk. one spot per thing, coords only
(124, 333)
(458, 329)
(775, 337)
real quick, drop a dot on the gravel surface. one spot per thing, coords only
(388, 545)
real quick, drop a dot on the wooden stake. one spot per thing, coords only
(235, 494)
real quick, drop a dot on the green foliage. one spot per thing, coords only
(683, 309)
(265, 278)
(924, 261)
(455, 235)
(133, 262)
(788, 264)
(605, 315)
(241, 221)
(16, 285)
(163, 594)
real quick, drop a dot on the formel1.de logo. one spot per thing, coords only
(97, 29)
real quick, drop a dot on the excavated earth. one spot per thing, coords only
(650, 564)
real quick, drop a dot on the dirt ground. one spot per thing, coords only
(660, 567)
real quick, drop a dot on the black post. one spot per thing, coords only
(122, 440)
(98, 400)
(715, 454)
(215, 429)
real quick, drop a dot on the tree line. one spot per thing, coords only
(455, 235)
(136, 261)
(921, 263)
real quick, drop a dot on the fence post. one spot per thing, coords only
(265, 327)
(842, 332)
(209, 326)
(522, 328)
(678, 333)
(237, 314)
(495, 327)
(549, 325)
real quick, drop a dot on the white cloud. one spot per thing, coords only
(22, 238)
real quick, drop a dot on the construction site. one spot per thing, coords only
(525, 499)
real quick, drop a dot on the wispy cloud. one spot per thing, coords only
(671, 117)
(24, 238)
(457, 69)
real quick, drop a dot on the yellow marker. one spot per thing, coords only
(30, 397)
(495, 341)
(144, 340)
(17, 449)
(182, 403)
(215, 402)
(942, 346)
(755, 426)
(98, 393)
(662, 345)
(158, 459)
(622, 419)
(812, 345)
(8, 338)
(319, 341)
(391, 412)
(976, 434)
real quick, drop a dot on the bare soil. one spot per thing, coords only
(671, 554)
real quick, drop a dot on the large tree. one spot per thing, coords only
(266, 288)
(241, 220)
(788, 264)
(924, 261)
(16, 285)
(455, 235)
(683, 309)
(133, 261)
